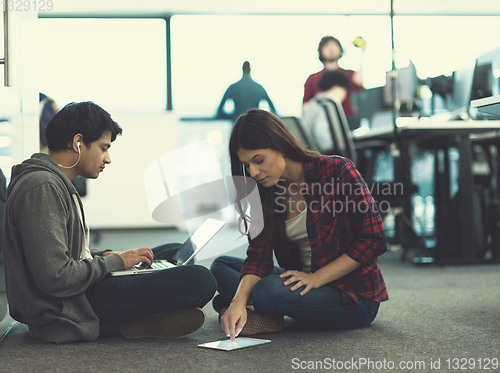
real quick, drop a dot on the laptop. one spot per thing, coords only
(186, 252)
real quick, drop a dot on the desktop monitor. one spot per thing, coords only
(369, 104)
(406, 89)
(461, 91)
(368, 101)
(482, 84)
(486, 78)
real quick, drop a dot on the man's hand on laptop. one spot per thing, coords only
(136, 256)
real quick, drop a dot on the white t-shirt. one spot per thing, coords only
(296, 231)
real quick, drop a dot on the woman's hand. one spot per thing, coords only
(233, 320)
(309, 280)
(340, 267)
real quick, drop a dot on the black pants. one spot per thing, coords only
(120, 299)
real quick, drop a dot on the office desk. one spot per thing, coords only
(489, 106)
(418, 129)
(430, 133)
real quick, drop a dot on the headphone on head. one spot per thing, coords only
(78, 146)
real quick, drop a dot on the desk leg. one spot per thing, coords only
(441, 188)
(465, 181)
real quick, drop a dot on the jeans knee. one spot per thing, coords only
(225, 266)
(204, 279)
(217, 264)
(223, 262)
(267, 293)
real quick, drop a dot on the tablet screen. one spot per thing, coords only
(240, 342)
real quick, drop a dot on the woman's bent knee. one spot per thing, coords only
(268, 293)
(226, 262)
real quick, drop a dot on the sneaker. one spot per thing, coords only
(174, 324)
(258, 323)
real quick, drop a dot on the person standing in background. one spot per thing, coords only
(329, 52)
(246, 94)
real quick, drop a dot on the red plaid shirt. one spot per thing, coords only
(342, 218)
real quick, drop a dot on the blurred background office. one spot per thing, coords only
(156, 66)
(161, 68)
(206, 57)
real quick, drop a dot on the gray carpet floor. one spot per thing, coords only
(437, 317)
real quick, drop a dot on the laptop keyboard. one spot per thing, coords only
(157, 264)
(162, 264)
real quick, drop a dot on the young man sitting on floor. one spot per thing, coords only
(55, 284)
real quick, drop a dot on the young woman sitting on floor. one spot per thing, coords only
(321, 223)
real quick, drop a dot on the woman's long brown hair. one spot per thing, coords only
(260, 129)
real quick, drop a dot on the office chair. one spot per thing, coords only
(344, 146)
(339, 129)
(295, 126)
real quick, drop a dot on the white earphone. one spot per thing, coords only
(78, 160)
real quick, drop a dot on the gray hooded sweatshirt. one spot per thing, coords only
(46, 279)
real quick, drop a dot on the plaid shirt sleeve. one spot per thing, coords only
(369, 241)
(259, 260)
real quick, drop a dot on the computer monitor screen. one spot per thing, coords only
(482, 84)
(407, 85)
(486, 81)
(368, 101)
(461, 93)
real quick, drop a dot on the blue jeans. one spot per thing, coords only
(117, 300)
(320, 308)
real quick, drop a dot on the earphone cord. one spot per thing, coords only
(78, 160)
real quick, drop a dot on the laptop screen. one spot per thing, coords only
(199, 239)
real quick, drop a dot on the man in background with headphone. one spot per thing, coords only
(59, 287)
(330, 51)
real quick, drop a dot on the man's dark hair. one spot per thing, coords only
(86, 118)
(331, 78)
(323, 41)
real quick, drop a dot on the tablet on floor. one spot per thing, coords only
(240, 342)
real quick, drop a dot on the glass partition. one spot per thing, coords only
(119, 64)
(208, 52)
